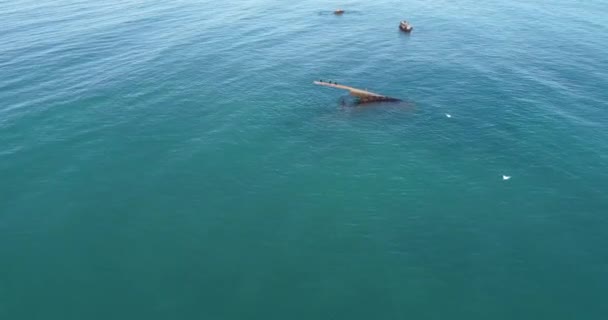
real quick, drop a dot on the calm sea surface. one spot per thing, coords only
(173, 160)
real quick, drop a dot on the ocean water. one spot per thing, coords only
(173, 160)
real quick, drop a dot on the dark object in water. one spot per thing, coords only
(405, 26)
(361, 96)
(350, 101)
(339, 12)
(364, 100)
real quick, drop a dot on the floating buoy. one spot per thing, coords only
(448, 115)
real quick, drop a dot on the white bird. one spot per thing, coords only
(448, 115)
(505, 178)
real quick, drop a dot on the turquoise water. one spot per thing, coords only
(173, 160)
